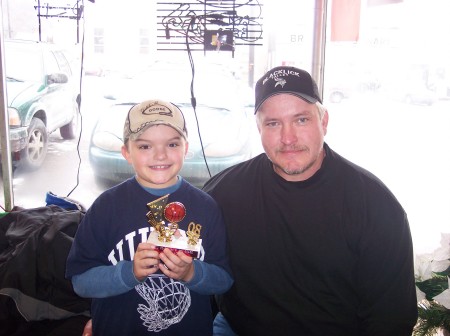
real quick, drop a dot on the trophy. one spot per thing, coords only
(167, 235)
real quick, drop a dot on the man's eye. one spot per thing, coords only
(272, 124)
(302, 120)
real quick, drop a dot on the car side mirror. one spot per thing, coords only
(57, 78)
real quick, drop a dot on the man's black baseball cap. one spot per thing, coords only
(286, 79)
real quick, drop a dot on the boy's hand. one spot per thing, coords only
(177, 266)
(146, 261)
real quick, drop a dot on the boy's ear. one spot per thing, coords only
(126, 153)
(186, 147)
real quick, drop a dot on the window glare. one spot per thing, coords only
(386, 85)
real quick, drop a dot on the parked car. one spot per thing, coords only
(41, 98)
(223, 121)
(411, 92)
(419, 95)
(338, 93)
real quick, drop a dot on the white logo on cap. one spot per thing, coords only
(280, 81)
(157, 109)
(278, 76)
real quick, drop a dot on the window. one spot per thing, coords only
(144, 41)
(387, 89)
(99, 43)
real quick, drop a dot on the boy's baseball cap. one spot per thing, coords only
(150, 113)
(286, 79)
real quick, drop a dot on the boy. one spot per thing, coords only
(136, 289)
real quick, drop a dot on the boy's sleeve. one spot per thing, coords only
(105, 281)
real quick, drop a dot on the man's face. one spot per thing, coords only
(292, 135)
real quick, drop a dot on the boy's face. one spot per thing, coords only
(157, 156)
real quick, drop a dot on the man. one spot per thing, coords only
(318, 245)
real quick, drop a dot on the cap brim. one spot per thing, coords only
(306, 98)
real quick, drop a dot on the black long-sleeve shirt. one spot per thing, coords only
(331, 255)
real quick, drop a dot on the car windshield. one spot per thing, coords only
(22, 64)
(212, 85)
(215, 123)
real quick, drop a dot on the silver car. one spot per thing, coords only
(219, 129)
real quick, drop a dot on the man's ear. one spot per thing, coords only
(325, 122)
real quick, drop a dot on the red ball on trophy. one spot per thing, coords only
(174, 212)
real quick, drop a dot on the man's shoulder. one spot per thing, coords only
(359, 177)
(236, 174)
(194, 193)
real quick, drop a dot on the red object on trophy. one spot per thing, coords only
(163, 235)
(174, 212)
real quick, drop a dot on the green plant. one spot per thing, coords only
(432, 272)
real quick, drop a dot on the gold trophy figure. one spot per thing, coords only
(193, 233)
(163, 235)
(155, 219)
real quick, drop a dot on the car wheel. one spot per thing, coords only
(70, 130)
(34, 153)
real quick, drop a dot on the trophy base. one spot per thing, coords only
(177, 244)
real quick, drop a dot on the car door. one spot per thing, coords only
(59, 98)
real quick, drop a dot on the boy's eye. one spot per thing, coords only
(173, 145)
(144, 147)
